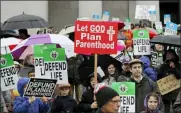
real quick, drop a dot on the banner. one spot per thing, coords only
(126, 91)
(9, 77)
(167, 18)
(40, 87)
(142, 11)
(52, 65)
(168, 84)
(141, 42)
(95, 37)
(171, 28)
(159, 27)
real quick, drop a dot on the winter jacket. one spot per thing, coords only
(149, 71)
(64, 104)
(22, 105)
(99, 111)
(145, 86)
(73, 65)
(165, 70)
(147, 110)
(177, 104)
(88, 96)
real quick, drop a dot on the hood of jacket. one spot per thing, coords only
(146, 104)
(21, 84)
(146, 61)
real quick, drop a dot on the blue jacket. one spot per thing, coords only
(149, 71)
(22, 105)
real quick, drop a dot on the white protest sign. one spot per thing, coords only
(105, 16)
(159, 27)
(152, 15)
(126, 90)
(115, 19)
(52, 65)
(127, 24)
(167, 18)
(171, 28)
(141, 42)
(142, 11)
(9, 77)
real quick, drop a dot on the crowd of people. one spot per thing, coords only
(137, 69)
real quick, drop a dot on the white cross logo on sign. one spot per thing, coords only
(111, 32)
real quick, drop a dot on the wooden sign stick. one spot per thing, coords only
(95, 68)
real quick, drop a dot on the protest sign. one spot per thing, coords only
(154, 59)
(9, 77)
(159, 27)
(142, 11)
(52, 65)
(167, 18)
(171, 28)
(39, 49)
(141, 42)
(96, 37)
(96, 17)
(40, 87)
(152, 15)
(105, 16)
(116, 19)
(127, 24)
(168, 84)
(126, 91)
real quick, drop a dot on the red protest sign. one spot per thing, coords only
(95, 37)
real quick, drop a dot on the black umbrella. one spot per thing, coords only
(24, 21)
(87, 66)
(8, 33)
(166, 40)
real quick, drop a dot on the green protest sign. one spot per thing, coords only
(38, 49)
(9, 77)
(52, 65)
(126, 91)
(141, 41)
(127, 24)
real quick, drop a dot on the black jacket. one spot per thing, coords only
(64, 104)
(145, 86)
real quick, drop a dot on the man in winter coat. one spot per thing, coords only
(177, 104)
(171, 66)
(73, 76)
(108, 100)
(88, 104)
(144, 85)
(149, 71)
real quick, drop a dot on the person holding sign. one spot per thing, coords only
(171, 66)
(144, 85)
(88, 104)
(28, 105)
(152, 103)
(64, 103)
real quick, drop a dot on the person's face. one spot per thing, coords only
(159, 47)
(31, 60)
(111, 69)
(31, 75)
(136, 70)
(64, 91)
(169, 55)
(125, 68)
(17, 67)
(113, 105)
(152, 103)
(92, 82)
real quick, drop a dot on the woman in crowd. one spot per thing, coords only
(152, 103)
(28, 65)
(88, 104)
(64, 103)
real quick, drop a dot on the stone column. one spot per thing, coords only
(88, 8)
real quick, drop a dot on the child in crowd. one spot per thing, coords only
(64, 103)
(28, 105)
(152, 103)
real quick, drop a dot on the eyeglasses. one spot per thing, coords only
(115, 101)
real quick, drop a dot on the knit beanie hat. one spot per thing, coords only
(104, 95)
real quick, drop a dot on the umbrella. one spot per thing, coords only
(24, 21)
(60, 40)
(87, 66)
(8, 33)
(166, 40)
